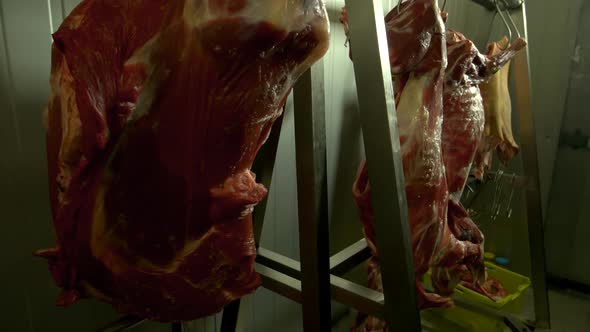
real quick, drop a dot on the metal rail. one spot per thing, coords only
(121, 324)
(312, 198)
(503, 4)
(349, 258)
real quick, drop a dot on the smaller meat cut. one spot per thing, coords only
(498, 113)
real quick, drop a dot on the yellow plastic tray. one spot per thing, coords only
(464, 320)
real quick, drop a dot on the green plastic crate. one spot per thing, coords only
(462, 320)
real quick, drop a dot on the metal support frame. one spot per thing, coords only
(382, 146)
(530, 162)
(312, 198)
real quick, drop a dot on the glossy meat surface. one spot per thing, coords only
(440, 112)
(498, 113)
(463, 126)
(157, 111)
(419, 91)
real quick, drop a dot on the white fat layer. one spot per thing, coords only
(290, 15)
(413, 117)
(411, 112)
(62, 85)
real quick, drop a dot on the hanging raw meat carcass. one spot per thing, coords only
(433, 68)
(463, 124)
(417, 54)
(157, 111)
(498, 113)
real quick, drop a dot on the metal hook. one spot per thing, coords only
(503, 20)
(511, 21)
(469, 191)
(497, 194)
(508, 206)
(444, 6)
(491, 27)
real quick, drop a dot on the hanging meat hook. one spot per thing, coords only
(511, 20)
(499, 11)
(509, 205)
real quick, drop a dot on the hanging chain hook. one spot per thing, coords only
(511, 20)
(491, 27)
(509, 205)
(503, 20)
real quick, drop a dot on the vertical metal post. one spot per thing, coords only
(176, 327)
(382, 145)
(263, 168)
(533, 191)
(310, 142)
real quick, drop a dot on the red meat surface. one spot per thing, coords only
(440, 120)
(463, 126)
(157, 111)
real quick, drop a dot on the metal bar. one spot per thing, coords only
(356, 296)
(349, 258)
(176, 327)
(503, 4)
(528, 136)
(121, 324)
(279, 263)
(229, 318)
(349, 293)
(280, 283)
(310, 144)
(263, 168)
(382, 145)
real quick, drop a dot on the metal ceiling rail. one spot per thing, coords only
(312, 198)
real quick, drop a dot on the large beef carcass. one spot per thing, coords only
(498, 113)
(437, 147)
(417, 54)
(463, 125)
(157, 111)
